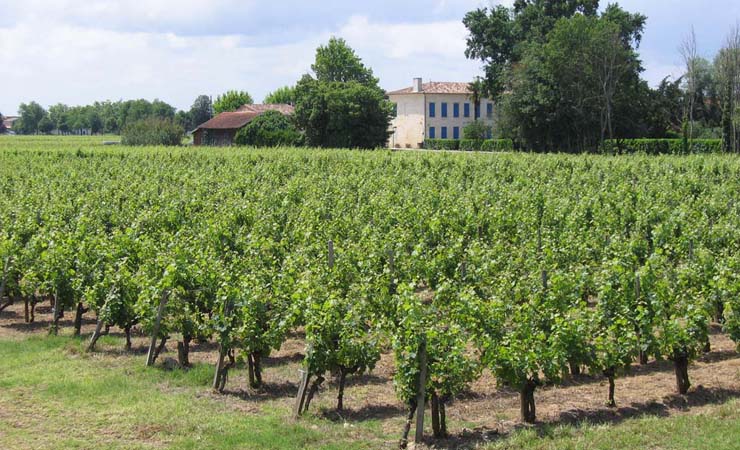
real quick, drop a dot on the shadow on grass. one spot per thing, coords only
(368, 412)
(697, 397)
(276, 361)
(268, 391)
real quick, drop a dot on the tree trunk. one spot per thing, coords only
(526, 396)
(681, 365)
(26, 316)
(257, 360)
(159, 349)
(575, 368)
(183, 351)
(57, 312)
(250, 371)
(643, 358)
(96, 335)
(127, 332)
(442, 418)
(435, 415)
(407, 426)
(78, 318)
(33, 309)
(340, 395)
(609, 373)
(314, 389)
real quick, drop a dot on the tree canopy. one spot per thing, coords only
(231, 101)
(284, 95)
(270, 129)
(342, 106)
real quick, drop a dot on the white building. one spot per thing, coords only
(436, 110)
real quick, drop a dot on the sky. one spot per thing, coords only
(77, 52)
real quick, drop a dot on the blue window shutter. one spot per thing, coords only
(456, 110)
(432, 133)
(456, 132)
(489, 110)
(444, 132)
(467, 110)
(432, 110)
(444, 109)
(477, 111)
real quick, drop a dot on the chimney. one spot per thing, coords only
(416, 87)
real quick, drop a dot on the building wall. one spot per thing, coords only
(413, 122)
(408, 125)
(217, 138)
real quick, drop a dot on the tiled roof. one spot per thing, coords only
(228, 121)
(285, 109)
(437, 87)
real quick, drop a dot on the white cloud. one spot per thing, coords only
(74, 64)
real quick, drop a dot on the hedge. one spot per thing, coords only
(660, 146)
(442, 144)
(470, 145)
(152, 131)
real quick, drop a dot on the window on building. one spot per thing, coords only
(456, 133)
(456, 110)
(444, 132)
(477, 111)
(489, 110)
(432, 133)
(432, 109)
(395, 110)
(444, 109)
(466, 110)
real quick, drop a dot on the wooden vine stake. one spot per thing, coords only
(300, 400)
(421, 391)
(153, 353)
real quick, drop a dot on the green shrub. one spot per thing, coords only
(271, 129)
(152, 131)
(476, 130)
(441, 144)
(661, 146)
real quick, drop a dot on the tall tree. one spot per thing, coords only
(3, 129)
(30, 117)
(568, 93)
(727, 65)
(337, 62)
(499, 36)
(689, 54)
(200, 112)
(284, 95)
(231, 101)
(343, 106)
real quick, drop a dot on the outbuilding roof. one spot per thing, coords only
(228, 121)
(437, 87)
(283, 108)
(242, 116)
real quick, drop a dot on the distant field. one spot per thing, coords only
(508, 267)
